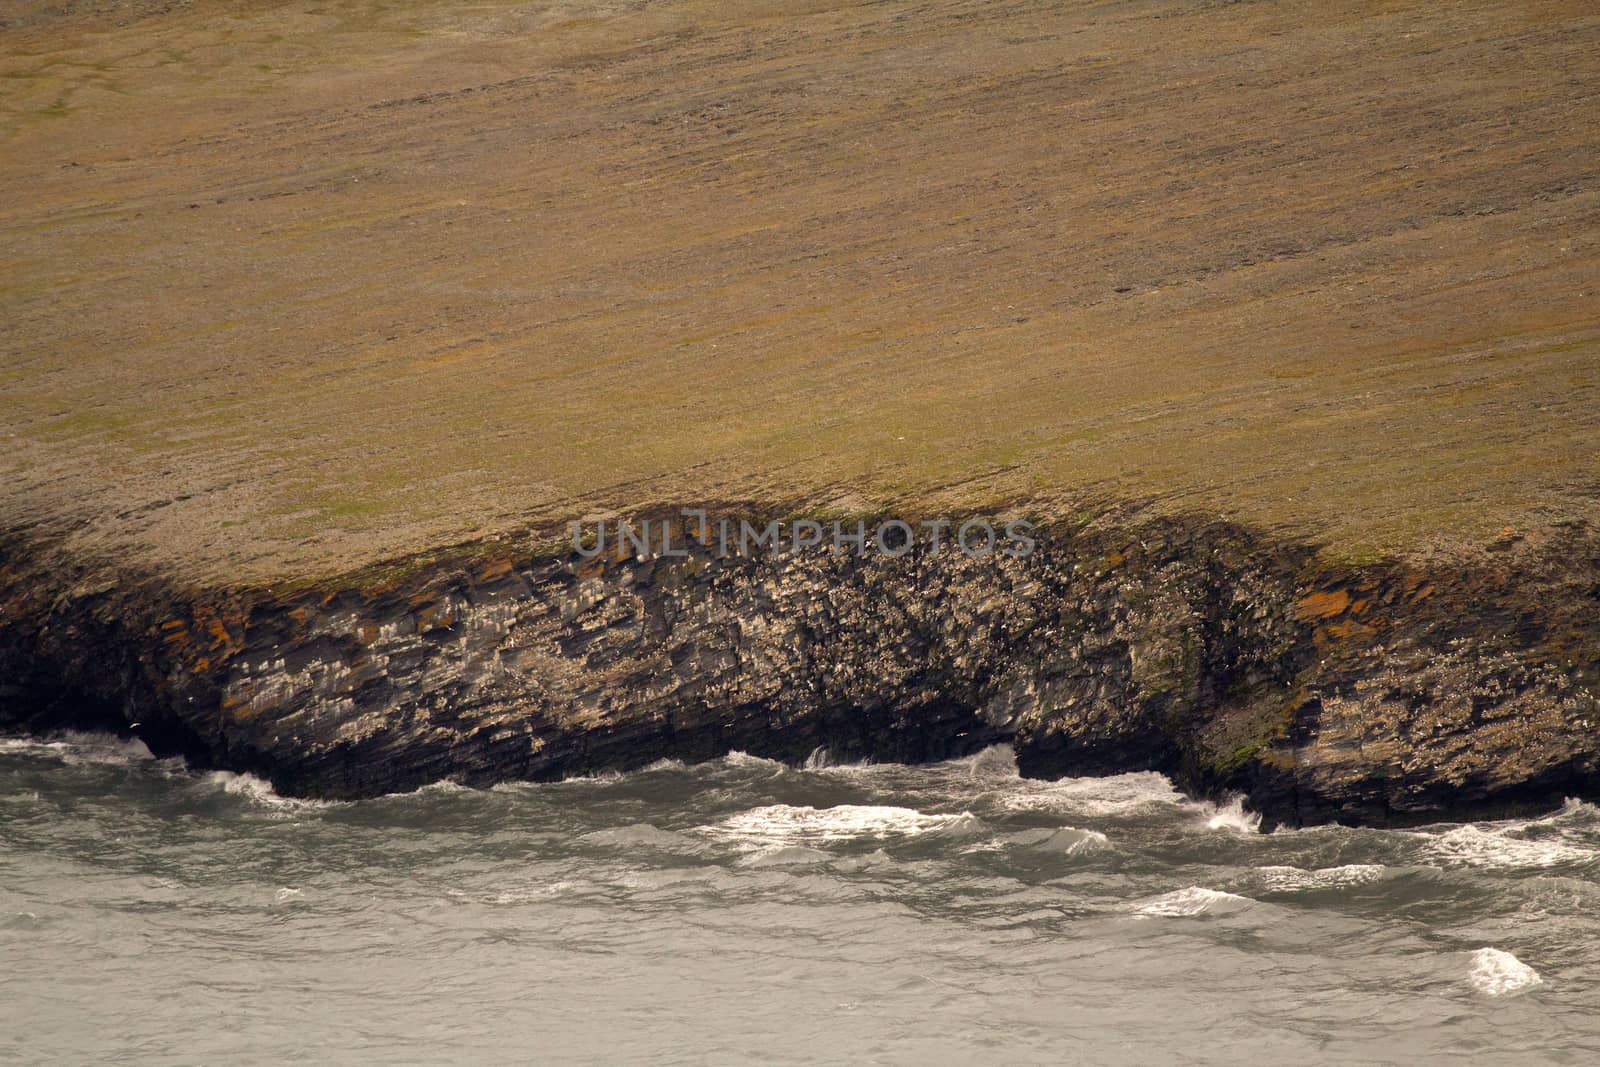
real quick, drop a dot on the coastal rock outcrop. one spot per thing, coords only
(1384, 693)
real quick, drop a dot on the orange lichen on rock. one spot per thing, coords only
(1322, 605)
(494, 569)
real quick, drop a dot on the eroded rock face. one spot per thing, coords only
(1456, 690)
(1198, 650)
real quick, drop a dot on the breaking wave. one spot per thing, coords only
(259, 792)
(1118, 795)
(1195, 900)
(843, 822)
(1498, 973)
(1232, 816)
(80, 748)
(1473, 846)
(1289, 879)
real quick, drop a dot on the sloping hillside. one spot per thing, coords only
(292, 287)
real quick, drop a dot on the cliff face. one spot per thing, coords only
(1378, 694)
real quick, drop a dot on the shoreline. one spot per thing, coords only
(1383, 693)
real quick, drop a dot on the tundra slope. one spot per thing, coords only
(292, 289)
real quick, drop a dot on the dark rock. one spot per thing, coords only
(1382, 694)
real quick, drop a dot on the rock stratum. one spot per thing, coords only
(1377, 694)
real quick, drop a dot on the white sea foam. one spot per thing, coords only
(819, 759)
(75, 747)
(1498, 973)
(1231, 816)
(1284, 879)
(1571, 810)
(260, 792)
(786, 822)
(1572, 807)
(1122, 794)
(442, 787)
(965, 824)
(1194, 900)
(996, 761)
(744, 759)
(1473, 846)
(575, 779)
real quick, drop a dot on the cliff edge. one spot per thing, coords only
(1378, 694)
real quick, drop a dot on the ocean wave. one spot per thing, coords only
(820, 759)
(997, 762)
(594, 778)
(78, 748)
(1195, 900)
(1121, 794)
(1067, 840)
(876, 860)
(1498, 973)
(534, 892)
(643, 835)
(443, 787)
(786, 856)
(1289, 879)
(1473, 846)
(1230, 816)
(844, 822)
(1072, 841)
(259, 792)
(1572, 810)
(744, 759)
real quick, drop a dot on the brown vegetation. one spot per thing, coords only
(290, 288)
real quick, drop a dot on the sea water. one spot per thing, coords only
(742, 911)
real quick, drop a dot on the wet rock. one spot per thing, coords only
(1380, 694)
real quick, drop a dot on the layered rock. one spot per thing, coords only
(1377, 694)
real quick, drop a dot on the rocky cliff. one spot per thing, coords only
(1383, 693)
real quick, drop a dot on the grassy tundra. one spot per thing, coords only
(291, 287)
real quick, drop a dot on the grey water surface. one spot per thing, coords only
(745, 912)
